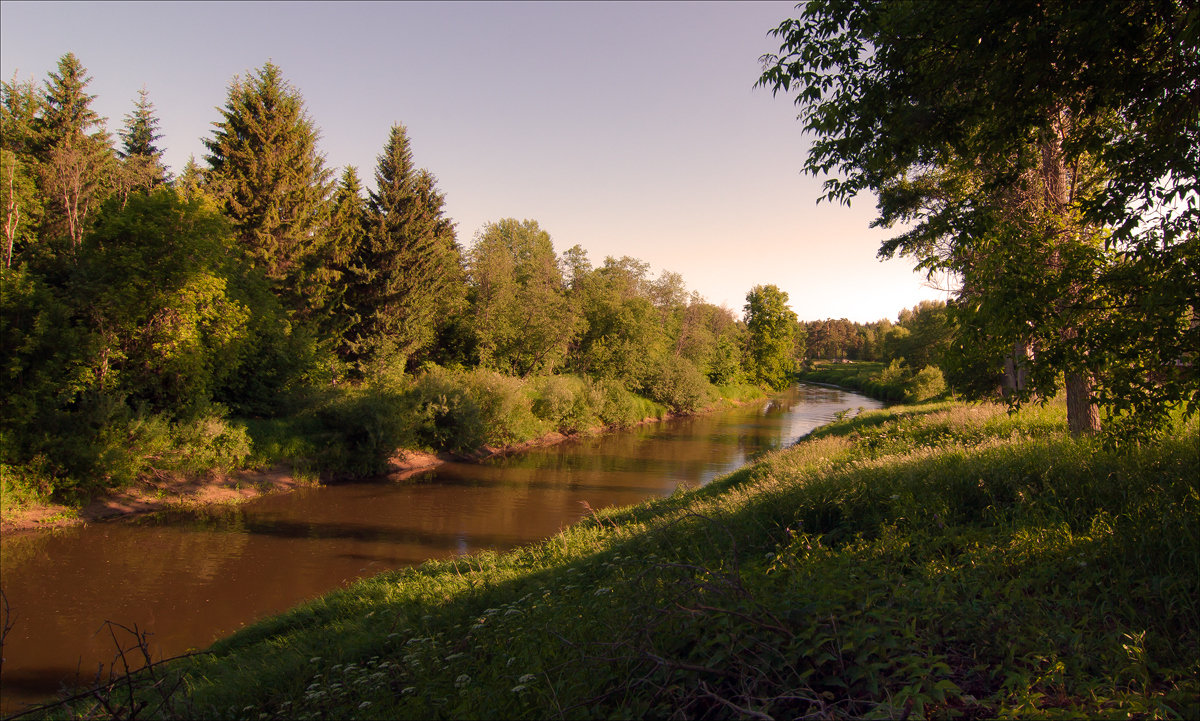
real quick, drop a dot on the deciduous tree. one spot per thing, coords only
(1056, 143)
(771, 338)
(522, 315)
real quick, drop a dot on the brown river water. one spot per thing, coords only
(189, 578)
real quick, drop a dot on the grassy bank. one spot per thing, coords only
(889, 382)
(941, 560)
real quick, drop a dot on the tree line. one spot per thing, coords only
(135, 299)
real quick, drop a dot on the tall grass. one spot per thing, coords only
(939, 561)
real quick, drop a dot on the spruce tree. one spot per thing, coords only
(190, 183)
(140, 134)
(269, 177)
(20, 201)
(74, 151)
(20, 106)
(141, 158)
(66, 107)
(410, 277)
(335, 270)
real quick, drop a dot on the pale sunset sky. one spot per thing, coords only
(627, 128)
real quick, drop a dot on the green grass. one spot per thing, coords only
(740, 392)
(893, 382)
(944, 561)
(860, 376)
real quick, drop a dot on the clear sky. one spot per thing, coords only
(627, 128)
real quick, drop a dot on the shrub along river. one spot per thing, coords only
(191, 577)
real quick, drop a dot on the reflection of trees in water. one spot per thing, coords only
(21, 548)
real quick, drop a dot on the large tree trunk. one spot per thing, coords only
(1083, 415)
(1016, 369)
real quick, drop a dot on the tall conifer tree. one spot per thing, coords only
(336, 270)
(66, 107)
(140, 135)
(141, 158)
(74, 151)
(20, 202)
(190, 182)
(269, 177)
(20, 106)
(411, 277)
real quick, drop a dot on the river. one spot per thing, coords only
(189, 578)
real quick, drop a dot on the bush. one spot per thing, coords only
(363, 428)
(680, 386)
(445, 416)
(25, 484)
(568, 403)
(505, 407)
(926, 384)
(554, 398)
(614, 404)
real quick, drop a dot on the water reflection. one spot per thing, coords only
(193, 577)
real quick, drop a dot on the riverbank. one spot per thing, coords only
(940, 560)
(163, 491)
(889, 383)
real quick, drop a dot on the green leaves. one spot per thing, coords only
(269, 177)
(770, 344)
(522, 316)
(406, 280)
(1028, 146)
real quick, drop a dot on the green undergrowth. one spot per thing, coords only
(356, 430)
(890, 382)
(351, 430)
(940, 561)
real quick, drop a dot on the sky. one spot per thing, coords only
(626, 128)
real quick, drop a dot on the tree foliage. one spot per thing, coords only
(271, 181)
(139, 309)
(523, 318)
(74, 154)
(141, 158)
(771, 327)
(623, 337)
(1046, 152)
(410, 268)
